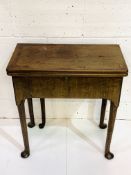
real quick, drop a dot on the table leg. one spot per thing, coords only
(31, 124)
(102, 125)
(42, 101)
(113, 111)
(21, 110)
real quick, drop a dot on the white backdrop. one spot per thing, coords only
(64, 21)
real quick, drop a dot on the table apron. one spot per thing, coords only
(67, 87)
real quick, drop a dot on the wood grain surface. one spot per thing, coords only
(67, 59)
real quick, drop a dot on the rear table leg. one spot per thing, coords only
(31, 124)
(102, 125)
(42, 101)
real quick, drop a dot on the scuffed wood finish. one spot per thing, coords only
(68, 71)
(67, 59)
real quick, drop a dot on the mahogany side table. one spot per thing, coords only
(68, 71)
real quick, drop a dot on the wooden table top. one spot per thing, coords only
(67, 59)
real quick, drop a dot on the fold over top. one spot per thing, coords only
(67, 59)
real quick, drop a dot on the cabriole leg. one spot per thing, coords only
(113, 111)
(21, 110)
